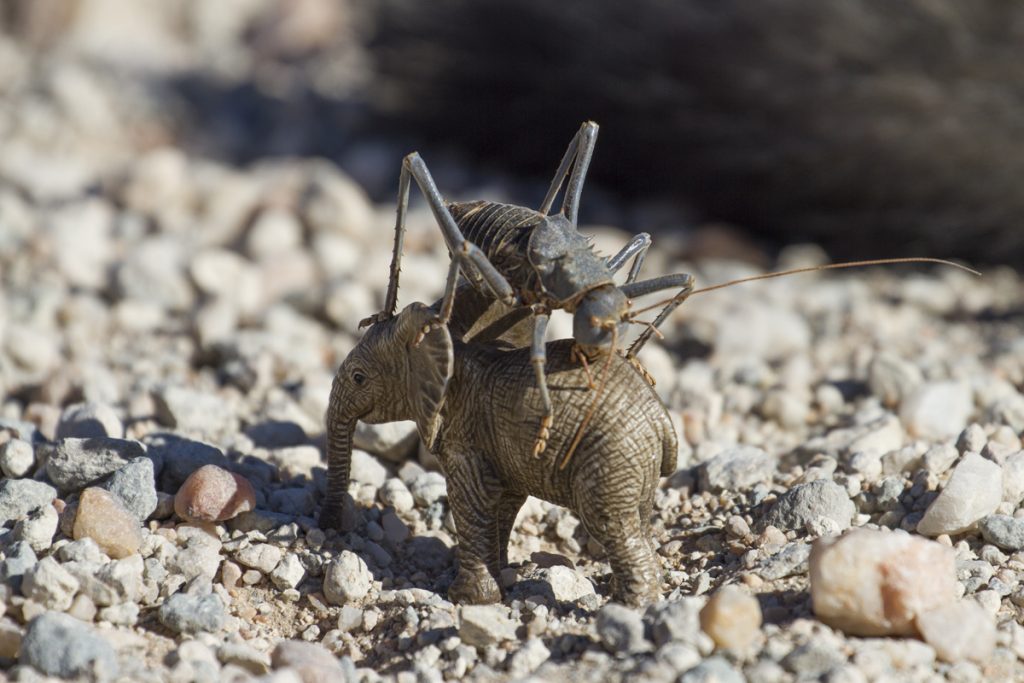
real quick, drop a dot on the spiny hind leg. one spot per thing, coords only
(538, 357)
(635, 248)
(577, 156)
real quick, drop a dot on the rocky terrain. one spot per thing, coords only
(169, 326)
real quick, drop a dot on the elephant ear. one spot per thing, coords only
(430, 367)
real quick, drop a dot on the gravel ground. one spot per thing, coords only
(160, 312)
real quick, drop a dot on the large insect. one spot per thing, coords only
(534, 258)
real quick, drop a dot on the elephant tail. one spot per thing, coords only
(669, 448)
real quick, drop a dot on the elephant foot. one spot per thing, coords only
(635, 589)
(470, 588)
(341, 515)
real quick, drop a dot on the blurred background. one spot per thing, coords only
(869, 127)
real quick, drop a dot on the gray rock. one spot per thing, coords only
(813, 660)
(428, 488)
(972, 439)
(20, 558)
(621, 630)
(288, 573)
(678, 622)
(19, 496)
(808, 502)
(429, 553)
(135, 485)
(567, 584)
(973, 491)
(192, 614)
(259, 520)
(50, 585)
(89, 421)
(1013, 479)
(62, 646)
(891, 378)
(396, 494)
(82, 550)
(483, 625)
(17, 458)
(736, 469)
(37, 528)
(180, 457)
(346, 578)
(937, 410)
(392, 441)
(124, 577)
(277, 434)
(121, 614)
(526, 659)
(1004, 531)
(713, 670)
(191, 411)
(77, 463)
(939, 458)
(261, 556)
(293, 501)
(790, 560)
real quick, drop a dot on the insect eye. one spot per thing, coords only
(359, 378)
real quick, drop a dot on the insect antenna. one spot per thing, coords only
(593, 403)
(806, 269)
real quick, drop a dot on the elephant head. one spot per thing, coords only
(387, 377)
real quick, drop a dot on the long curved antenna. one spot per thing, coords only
(808, 269)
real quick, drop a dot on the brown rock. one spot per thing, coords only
(212, 494)
(102, 517)
(732, 617)
(874, 583)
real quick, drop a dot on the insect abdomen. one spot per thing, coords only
(495, 228)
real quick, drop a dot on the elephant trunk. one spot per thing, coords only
(338, 510)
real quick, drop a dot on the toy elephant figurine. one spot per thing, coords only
(474, 405)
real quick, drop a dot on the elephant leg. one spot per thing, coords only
(508, 509)
(636, 571)
(473, 494)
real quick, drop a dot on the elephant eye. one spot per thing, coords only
(359, 378)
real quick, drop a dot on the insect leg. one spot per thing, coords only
(391, 299)
(637, 248)
(457, 244)
(538, 356)
(631, 290)
(576, 156)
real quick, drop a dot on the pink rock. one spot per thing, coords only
(102, 517)
(212, 494)
(874, 583)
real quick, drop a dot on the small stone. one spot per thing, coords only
(37, 528)
(397, 495)
(891, 378)
(528, 658)
(123, 577)
(367, 469)
(395, 530)
(76, 463)
(192, 614)
(567, 585)
(678, 621)
(103, 518)
(19, 496)
(50, 585)
(273, 231)
(790, 560)
(732, 617)
(191, 411)
(122, 614)
(349, 618)
(83, 608)
(736, 469)
(972, 439)
(807, 502)
(973, 491)
(88, 421)
(483, 625)
(289, 573)
(712, 670)
(937, 410)
(814, 659)
(312, 663)
(959, 631)
(212, 494)
(10, 638)
(20, 558)
(346, 578)
(135, 485)
(1004, 531)
(1013, 479)
(621, 630)
(17, 458)
(392, 441)
(261, 556)
(181, 457)
(428, 488)
(298, 502)
(60, 645)
(939, 458)
(875, 583)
